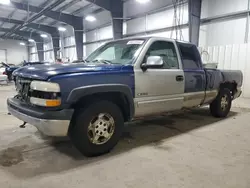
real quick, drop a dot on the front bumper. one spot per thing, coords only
(50, 123)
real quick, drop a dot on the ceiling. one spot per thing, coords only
(79, 8)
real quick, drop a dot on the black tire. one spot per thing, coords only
(216, 108)
(81, 120)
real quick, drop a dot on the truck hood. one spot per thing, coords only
(43, 72)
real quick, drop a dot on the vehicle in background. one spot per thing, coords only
(3, 76)
(3, 79)
(59, 61)
(2, 68)
(121, 81)
(11, 69)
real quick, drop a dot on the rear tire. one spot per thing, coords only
(221, 106)
(95, 121)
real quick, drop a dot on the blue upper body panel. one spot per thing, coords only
(71, 76)
(46, 71)
(13, 68)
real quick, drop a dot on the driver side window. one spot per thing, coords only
(167, 51)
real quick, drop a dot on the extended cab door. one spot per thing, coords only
(161, 89)
(195, 78)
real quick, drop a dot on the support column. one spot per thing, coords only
(56, 46)
(28, 50)
(194, 8)
(78, 30)
(117, 18)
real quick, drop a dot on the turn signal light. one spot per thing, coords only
(53, 103)
(45, 102)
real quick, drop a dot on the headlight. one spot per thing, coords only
(44, 86)
(45, 94)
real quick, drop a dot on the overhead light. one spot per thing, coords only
(22, 43)
(44, 36)
(31, 40)
(5, 2)
(90, 18)
(62, 29)
(143, 1)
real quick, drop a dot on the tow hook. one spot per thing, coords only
(23, 125)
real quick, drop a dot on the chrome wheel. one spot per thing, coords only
(101, 128)
(224, 102)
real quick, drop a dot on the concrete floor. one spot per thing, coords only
(188, 150)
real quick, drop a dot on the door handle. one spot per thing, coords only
(179, 78)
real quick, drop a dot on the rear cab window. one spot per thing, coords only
(190, 56)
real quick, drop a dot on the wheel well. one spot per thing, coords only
(232, 86)
(117, 98)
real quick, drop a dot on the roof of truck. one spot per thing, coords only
(150, 37)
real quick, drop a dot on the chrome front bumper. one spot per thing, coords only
(47, 127)
(50, 123)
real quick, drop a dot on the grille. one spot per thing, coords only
(23, 88)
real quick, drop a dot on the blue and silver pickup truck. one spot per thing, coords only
(120, 81)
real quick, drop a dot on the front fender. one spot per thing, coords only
(77, 93)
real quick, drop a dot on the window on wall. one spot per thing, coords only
(167, 51)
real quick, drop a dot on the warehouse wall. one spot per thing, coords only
(150, 24)
(224, 32)
(217, 33)
(15, 52)
(33, 53)
(160, 16)
(231, 57)
(69, 49)
(48, 51)
(211, 8)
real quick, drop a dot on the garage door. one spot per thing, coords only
(3, 56)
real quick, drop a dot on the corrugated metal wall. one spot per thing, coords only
(231, 57)
(48, 54)
(33, 55)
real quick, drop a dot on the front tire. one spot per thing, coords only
(97, 128)
(221, 106)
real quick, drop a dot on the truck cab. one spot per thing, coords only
(179, 82)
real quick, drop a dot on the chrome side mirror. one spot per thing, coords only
(153, 62)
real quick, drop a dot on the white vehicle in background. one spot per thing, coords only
(3, 76)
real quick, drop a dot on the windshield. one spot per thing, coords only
(118, 52)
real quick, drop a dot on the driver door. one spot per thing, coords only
(159, 90)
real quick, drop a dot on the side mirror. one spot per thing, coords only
(153, 62)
